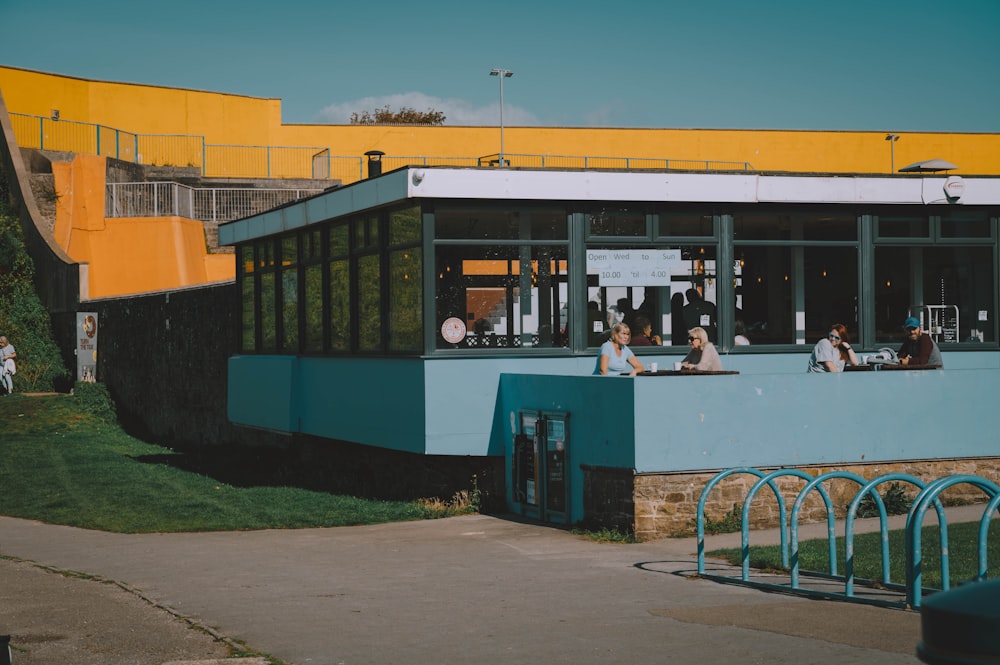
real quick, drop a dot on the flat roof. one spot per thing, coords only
(414, 183)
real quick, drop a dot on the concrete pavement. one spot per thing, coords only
(476, 589)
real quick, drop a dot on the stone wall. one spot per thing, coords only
(665, 504)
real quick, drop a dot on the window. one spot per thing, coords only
(795, 274)
(508, 293)
(248, 327)
(948, 284)
(406, 284)
(290, 294)
(339, 286)
(312, 257)
(657, 283)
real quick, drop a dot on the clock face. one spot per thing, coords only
(453, 330)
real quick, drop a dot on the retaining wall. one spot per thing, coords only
(659, 505)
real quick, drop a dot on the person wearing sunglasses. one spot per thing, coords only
(702, 355)
(615, 357)
(918, 348)
(833, 353)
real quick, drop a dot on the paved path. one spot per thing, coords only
(470, 589)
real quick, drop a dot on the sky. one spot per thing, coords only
(877, 65)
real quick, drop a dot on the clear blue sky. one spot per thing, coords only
(883, 65)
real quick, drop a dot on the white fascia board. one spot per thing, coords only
(505, 184)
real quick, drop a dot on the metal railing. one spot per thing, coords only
(309, 162)
(908, 594)
(208, 204)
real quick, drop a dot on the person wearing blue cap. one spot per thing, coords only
(918, 348)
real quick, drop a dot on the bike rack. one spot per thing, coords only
(927, 496)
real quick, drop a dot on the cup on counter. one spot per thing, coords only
(677, 366)
(653, 367)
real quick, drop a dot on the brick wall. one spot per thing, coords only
(659, 505)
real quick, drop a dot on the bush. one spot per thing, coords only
(895, 500)
(23, 318)
(94, 400)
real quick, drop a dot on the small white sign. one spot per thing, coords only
(634, 267)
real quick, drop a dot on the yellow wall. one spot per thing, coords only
(128, 255)
(241, 120)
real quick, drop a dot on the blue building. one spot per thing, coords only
(457, 312)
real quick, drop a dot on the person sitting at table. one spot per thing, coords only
(918, 348)
(702, 355)
(645, 336)
(833, 353)
(615, 357)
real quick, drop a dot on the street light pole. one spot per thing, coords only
(501, 74)
(892, 138)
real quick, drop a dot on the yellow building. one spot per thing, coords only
(240, 136)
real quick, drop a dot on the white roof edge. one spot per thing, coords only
(553, 185)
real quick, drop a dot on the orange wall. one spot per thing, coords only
(128, 255)
(241, 120)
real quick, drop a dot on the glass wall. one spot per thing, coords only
(501, 277)
(354, 285)
(504, 277)
(940, 269)
(796, 274)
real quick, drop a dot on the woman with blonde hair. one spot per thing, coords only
(615, 357)
(702, 355)
(7, 367)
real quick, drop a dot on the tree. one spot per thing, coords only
(404, 116)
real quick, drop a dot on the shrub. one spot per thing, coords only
(23, 318)
(895, 500)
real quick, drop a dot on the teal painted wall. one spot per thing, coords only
(262, 391)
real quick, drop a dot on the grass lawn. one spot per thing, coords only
(64, 460)
(814, 554)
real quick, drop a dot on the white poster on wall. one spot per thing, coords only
(86, 347)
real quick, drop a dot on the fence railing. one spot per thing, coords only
(305, 162)
(208, 204)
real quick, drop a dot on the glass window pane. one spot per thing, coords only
(967, 225)
(247, 336)
(340, 305)
(314, 308)
(268, 316)
(903, 227)
(369, 303)
(506, 296)
(617, 222)
(762, 227)
(626, 284)
(949, 288)
(340, 243)
(289, 251)
(764, 294)
(831, 290)
(405, 226)
(477, 224)
(246, 258)
(372, 223)
(685, 224)
(829, 227)
(406, 331)
(491, 224)
(312, 247)
(290, 310)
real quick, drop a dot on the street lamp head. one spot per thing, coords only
(501, 72)
(892, 137)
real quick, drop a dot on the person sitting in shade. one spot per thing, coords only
(645, 336)
(702, 355)
(615, 357)
(918, 348)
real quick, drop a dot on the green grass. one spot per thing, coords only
(64, 460)
(814, 554)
